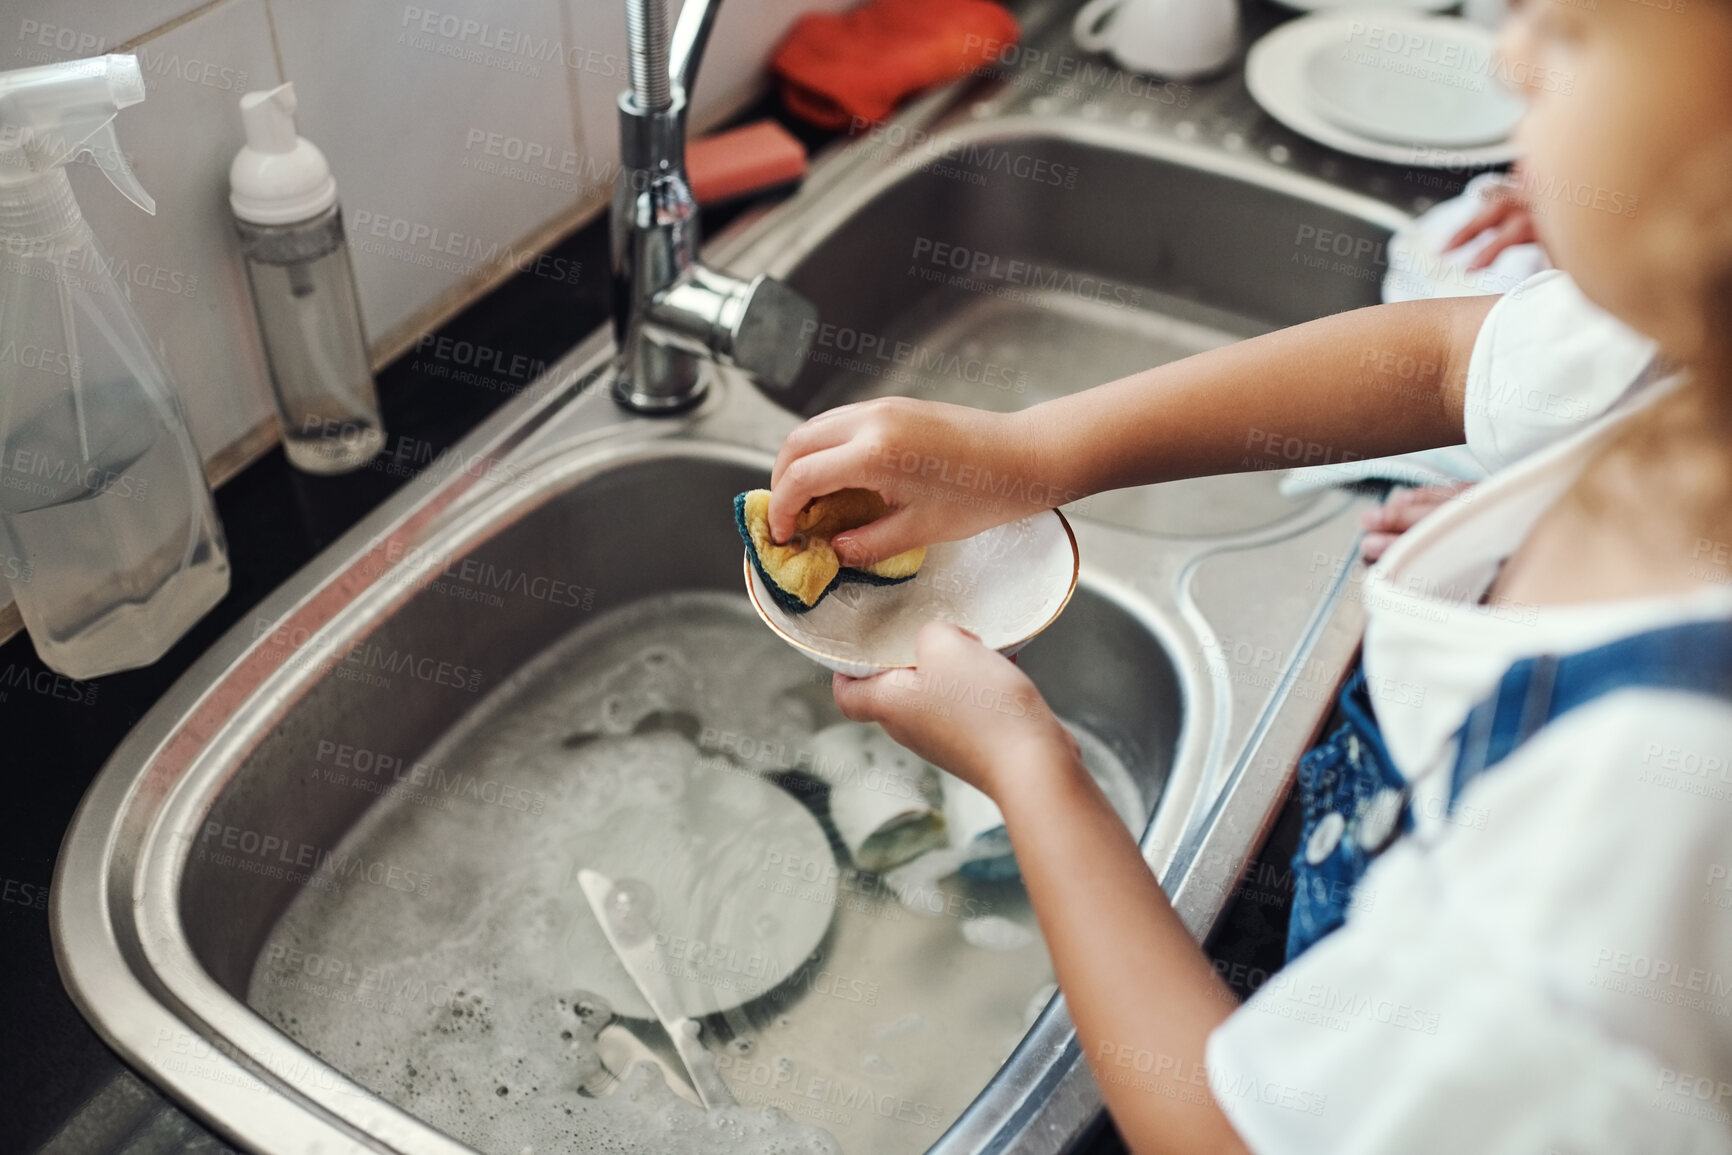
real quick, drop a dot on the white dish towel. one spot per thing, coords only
(1420, 269)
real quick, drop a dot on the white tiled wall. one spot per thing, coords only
(180, 266)
(407, 115)
(458, 130)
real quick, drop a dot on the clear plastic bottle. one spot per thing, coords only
(291, 230)
(107, 528)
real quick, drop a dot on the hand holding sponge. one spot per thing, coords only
(801, 571)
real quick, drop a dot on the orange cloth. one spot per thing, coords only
(859, 64)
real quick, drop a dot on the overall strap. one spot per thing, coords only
(1695, 658)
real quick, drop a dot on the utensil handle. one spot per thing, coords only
(700, 1064)
(1088, 37)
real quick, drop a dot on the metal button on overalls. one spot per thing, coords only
(1341, 785)
(1325, 838)
(1378, 823)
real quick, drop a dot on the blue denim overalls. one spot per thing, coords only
(1355, 804)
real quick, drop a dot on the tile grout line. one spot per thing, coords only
(165, 28)
(276, 44)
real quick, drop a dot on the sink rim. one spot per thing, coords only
(98, 948)
(831, 201)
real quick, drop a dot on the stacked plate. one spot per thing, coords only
(1410, 89)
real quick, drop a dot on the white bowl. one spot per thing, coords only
(1006, 585)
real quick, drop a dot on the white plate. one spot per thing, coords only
(1389, 6)
(1275, 73)
(1445, 93)
(1005, 585)
(700, 842)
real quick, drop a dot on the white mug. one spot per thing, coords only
(1175, 39)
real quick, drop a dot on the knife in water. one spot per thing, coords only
(635, 947)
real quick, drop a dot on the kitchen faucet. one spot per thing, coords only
(671, 314)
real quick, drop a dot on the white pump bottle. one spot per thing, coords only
(291, 232)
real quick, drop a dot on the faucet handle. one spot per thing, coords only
(772, 332)
(761, 325)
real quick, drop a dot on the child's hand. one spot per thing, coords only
(1506, 212)
(946, 471)
(1399, 514)
(964, 708)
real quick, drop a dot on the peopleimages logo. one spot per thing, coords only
(40, 358)
(804, 1088)
(920, 366)
(499, 45)
(273, 856)
(433, 246)
(46, 683)
(362, 763)
(41, 43)
(983, 271)
(361, 658)
(485, 575)
(47, 259)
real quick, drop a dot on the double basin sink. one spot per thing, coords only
(324, 894)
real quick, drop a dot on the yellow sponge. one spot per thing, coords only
(805, 568)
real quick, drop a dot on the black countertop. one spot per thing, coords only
(59, 1083)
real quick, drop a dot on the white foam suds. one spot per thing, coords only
(475, 1002)
(471, 1005)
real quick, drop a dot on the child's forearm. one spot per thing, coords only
(1376, 381)
(1141, 993)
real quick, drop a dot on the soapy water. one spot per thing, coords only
(475, 1006)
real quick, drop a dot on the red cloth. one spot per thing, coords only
(859, 64)
(760, 155)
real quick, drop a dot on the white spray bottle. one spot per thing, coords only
(107, 529)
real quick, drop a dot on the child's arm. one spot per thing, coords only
(1375, 381)
(1142, 995)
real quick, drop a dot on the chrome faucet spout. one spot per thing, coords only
(672, 316)
(691, 36)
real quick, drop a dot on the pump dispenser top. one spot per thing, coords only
(279, 177)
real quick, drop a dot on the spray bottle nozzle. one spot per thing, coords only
(52, 113)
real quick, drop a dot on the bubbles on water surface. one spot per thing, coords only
(631, 906)
(609, 721)
(994, 932)
(875, 1064)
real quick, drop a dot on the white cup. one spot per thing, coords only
(1175, 39)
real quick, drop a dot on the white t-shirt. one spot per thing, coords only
(1549, 969)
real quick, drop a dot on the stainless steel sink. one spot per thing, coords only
(247, 902)
(960, 281)
(498, 819)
